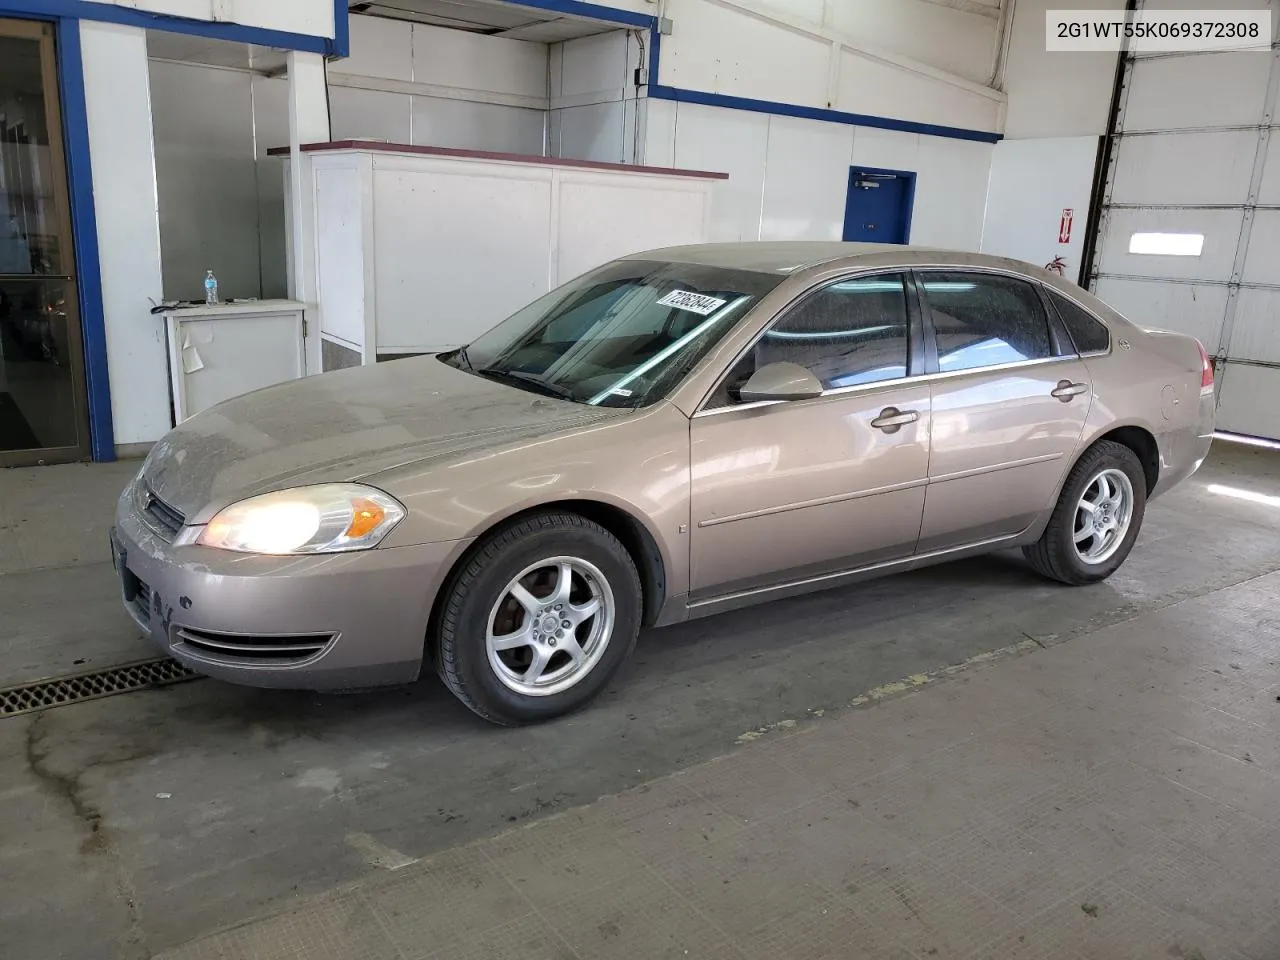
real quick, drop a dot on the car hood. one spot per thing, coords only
(342, 426)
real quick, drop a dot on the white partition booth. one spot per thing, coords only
(420, 249)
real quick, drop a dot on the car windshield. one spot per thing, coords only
(622, 335)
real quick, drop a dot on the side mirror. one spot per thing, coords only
(780, 381)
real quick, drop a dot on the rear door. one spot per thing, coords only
(1009, 398)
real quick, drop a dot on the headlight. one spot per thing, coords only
(326, 518)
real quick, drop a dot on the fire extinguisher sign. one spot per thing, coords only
(1064, 225)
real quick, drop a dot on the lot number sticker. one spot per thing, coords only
(694, 302)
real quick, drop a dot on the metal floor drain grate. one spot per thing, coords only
(93, 685)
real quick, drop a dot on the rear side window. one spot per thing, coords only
(1086, 332)
(985, 320)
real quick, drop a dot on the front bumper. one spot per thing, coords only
(324, 622)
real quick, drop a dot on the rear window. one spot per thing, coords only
(1086, 332)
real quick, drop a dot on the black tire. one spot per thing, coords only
(461, 656)
(1054, 555)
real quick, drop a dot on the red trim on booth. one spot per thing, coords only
(378, 146)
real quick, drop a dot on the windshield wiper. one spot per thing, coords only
(461, 354)
(522, 379)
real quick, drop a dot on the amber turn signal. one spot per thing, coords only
(366, 516)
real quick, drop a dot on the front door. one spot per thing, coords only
(42, 401)
(1009, 406)
(785, 491)
(877, 207)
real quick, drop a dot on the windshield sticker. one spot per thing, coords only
(693, 302)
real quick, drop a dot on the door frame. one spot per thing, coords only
(908, 195)
(54, 84)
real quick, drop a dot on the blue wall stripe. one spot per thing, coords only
(341, 46)
(127, 16)
(655, 55)
(681, 95)
(590, 11)
(84, 231)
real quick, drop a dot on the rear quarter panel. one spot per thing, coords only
(1151, 379)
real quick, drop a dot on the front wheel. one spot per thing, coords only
(539, 619)
(1097, 518)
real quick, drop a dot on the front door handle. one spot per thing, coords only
(1065, 390)
(891, 419)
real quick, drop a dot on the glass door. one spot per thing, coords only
(42, 388)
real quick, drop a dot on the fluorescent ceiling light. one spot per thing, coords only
(1167, 244)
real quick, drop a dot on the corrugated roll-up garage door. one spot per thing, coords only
(1196, 156)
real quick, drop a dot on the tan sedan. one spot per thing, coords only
(674, 434)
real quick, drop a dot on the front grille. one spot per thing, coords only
(163, 518)
(292, 648)
(142, 600)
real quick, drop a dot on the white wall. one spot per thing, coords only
(593, 98)
(1059, 105)
(271, 129)
(310, 17)
(417, 84)
(1056, 94)
(788, 177)
(206, 178)
(118, 102)
(959, 38)
(221, 197)
(1032, 182)
(744, 49)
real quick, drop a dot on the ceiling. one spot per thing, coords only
(487, 17)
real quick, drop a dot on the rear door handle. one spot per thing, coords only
(891, 419)
(1065, 390)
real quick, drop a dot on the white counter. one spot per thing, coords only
(221, 351)
(420, 249)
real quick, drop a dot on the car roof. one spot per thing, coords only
(790, 256)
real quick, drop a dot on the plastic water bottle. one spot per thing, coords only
(210, 289)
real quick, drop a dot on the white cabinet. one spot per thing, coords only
(219, 352)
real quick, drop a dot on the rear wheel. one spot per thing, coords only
(1097, 518)
(539, 619)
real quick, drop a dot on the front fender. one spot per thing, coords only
(638, 465)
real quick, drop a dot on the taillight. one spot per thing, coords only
(1206, 367)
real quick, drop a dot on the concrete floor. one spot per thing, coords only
(1106, 786)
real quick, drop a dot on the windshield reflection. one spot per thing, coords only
(623, 335)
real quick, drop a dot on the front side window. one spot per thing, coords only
(623, 335)
(1087, 332)
(848, 333)
(984, 320)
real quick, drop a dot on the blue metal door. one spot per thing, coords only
(878, 206)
